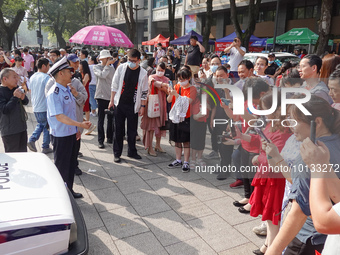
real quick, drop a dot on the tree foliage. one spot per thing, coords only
(253, 13)
(12, 13)
(62, 17)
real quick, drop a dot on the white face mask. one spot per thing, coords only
(159, 48)
(160, 73)
(183, 83)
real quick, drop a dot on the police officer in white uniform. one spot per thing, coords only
(61, 115)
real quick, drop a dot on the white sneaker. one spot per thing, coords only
(89, 131)
(93, 114)
(261, 230)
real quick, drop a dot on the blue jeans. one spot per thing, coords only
(93, 101)
(42, 125)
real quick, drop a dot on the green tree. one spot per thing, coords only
(87, 7)
(62, 17)
(253, 13)
(12, 13)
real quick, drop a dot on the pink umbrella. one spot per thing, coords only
(102, 36)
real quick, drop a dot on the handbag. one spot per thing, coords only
(154, 110)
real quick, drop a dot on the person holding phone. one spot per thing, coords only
(266, 200)
(194, 55)
(298, 231)
(324, 194)
(159, 52)
(4, 61)
(236, 52)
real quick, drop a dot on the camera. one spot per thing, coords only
(109, 111)
(224, 137)
(22, 90)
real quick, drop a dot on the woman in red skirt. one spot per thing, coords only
(266, 199)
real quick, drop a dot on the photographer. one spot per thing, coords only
(4, 61)
(236, 55)
(194, 56)
(13, 127)
(159, 52)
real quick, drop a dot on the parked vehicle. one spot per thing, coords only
(281, 56)
(38, 213)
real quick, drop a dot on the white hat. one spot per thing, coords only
(104, 54)
(58, 66)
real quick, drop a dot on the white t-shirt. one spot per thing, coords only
(267, 79)
(332, 245)
(235, 58)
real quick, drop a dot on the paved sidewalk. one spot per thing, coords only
(143, 207)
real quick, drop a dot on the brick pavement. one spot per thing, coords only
(143, 207)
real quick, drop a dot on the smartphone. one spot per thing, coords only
(232, 130)
(170, 84)
(312, 130)
(226, 101)
(261, 134)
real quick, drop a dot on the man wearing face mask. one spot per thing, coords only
(215, 63)
(159, 53)
(129, 91)
(272, 66)
(144, 60)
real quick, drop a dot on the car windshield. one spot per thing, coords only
(282, 59)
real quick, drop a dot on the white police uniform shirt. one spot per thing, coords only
(60, 101)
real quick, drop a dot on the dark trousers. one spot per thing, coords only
(296, 247)
(237, 162)
(122, 113)
(78, 142)
(16, 142)
(102, 105)
(213, 134)
(225, 153)
(246, 158)
(65, 157)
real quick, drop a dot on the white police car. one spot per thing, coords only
(38, 215)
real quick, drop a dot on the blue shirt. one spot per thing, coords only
(300, 189)
(38, 83)
(60, 101)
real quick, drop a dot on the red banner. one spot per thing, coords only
(220, 46)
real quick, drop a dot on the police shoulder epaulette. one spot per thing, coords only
(56, 90)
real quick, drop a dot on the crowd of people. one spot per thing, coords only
(298, 211)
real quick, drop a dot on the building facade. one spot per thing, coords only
(190, 14)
